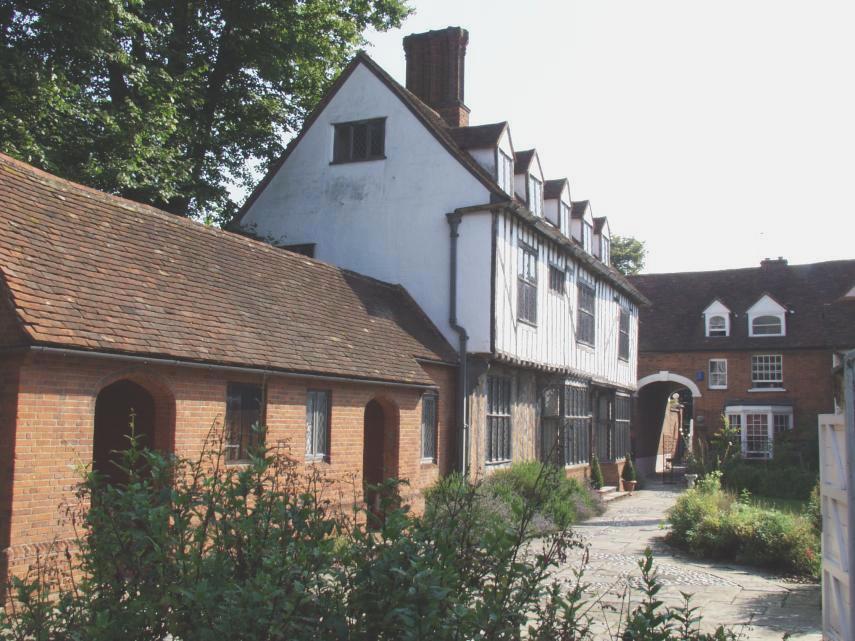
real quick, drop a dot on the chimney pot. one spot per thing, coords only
(780, 261)
(435, 71)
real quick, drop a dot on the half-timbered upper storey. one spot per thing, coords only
(369, 183)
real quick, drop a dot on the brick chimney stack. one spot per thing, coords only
(769, 263)
(435, 63)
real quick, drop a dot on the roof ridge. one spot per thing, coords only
(746, 269)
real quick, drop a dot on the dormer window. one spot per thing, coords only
(766, 326)
(359, 140)
(717, 320)
(717, 326)
(505, 172)
(605, 250)
(587, 236)
(767, 317)
(535, 196)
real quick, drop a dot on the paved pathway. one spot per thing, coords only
(767, 606)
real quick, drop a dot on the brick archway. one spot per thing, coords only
(125, 405)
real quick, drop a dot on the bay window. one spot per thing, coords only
(758, 425)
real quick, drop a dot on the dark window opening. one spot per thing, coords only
(585, 328)
(429, 427)
(360, 140)
(557, 278)
(318, 425)
(498, 419)
(244, 414)
(527, 284)
(623, 338)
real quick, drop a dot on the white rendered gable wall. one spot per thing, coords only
(385, 218)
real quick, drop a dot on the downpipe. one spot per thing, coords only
(454, 220)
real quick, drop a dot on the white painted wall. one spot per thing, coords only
(553, 340)
(383, 218)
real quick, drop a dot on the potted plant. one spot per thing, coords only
(629, 476)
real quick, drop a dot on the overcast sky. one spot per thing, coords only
(717, 132)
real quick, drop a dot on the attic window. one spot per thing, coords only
(766, 326)
(717, 326)
(535, 196)
(505, 172)
(359, 140)
(587, 236)
(604, 250)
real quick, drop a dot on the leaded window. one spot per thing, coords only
(767, 371)
(429, 427)
(244, 405)
(506, 172)
(623, 412)
(318, 424)
(535, 196)
(623, 336)
(527, 284)
(498, 419)
(557, 279)
(359, 140)
(576, 441)
(585, 326)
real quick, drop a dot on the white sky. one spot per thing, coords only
(719, 132)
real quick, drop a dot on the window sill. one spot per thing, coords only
(497, 464)
(755, 390)
(585, 345)
(622, 359)
(576, 466)
(350, 162)
(315, 460)
(717, 387)
(528, 323)
(428, 462)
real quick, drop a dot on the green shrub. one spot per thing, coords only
(201, 551)
(813, 511)
(597, 480)
(629, 473)
(769, 478)
(710, 522)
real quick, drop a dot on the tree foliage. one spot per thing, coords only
(628, 255)
(170, 102)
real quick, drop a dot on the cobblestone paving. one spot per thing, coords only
(761, 605)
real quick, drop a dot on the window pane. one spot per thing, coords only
(243, 419)
(498, 446)
(317, 423)
(429, 422)
(765, 325)
(756, 435)
(717, 326)
(341, 149)
(377, 131)
(360, 141)
(767, 370)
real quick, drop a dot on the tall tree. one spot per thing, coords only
(628, 255)
(170, 102)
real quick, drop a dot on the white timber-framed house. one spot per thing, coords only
(393, 182)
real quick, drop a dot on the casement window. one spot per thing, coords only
(767, 371)
(430, 403)
(718, 373)
(318, 403)
(623, 412)
(576, 441)
(767, 326)
(557, 280)
(498, 446)
(359, 140)
(605, 250)
(505, 172)
(527, 284)
(535, 196)
(587, 236)
(758, 426)
(587, 305)
(244, 415)
(564, 218)
(717, 326)
(623, 335)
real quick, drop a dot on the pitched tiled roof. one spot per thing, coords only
(599, 221)
(577, 208)
(91, 271)
(479, 136)
(553, 188)
(819, 318)
(522, 160)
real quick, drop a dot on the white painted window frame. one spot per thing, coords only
(773, 388)
(505, 172)
(770, 412)
(710, 317)
(781, 318)
(710, 384)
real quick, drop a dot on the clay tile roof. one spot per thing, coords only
(553, 188)
(86, 270)
(820, 318)
(577, 208)
(478, 137)
(522, 161)
(598, 224)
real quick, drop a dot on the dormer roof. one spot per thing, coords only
(578, 208)
(478, 137)
(600, 223)
(552, 188)
(522, 161)
(716, 307)
(766, 304)
(821, 317)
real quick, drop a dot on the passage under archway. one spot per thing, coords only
(121, 408)
(379, 451)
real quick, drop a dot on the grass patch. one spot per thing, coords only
(790, 506)
(712, 523)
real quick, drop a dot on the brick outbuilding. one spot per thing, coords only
(107, 305)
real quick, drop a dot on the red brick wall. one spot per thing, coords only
(807, 380)
(54, 422)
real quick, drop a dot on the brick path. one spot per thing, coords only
(764, 604)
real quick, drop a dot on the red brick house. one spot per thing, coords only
(757, 345)
(108, 305)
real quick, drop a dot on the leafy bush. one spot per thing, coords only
(629, 473)
(769, 478)
(813, 511)
(202, 551)
(711, 523)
